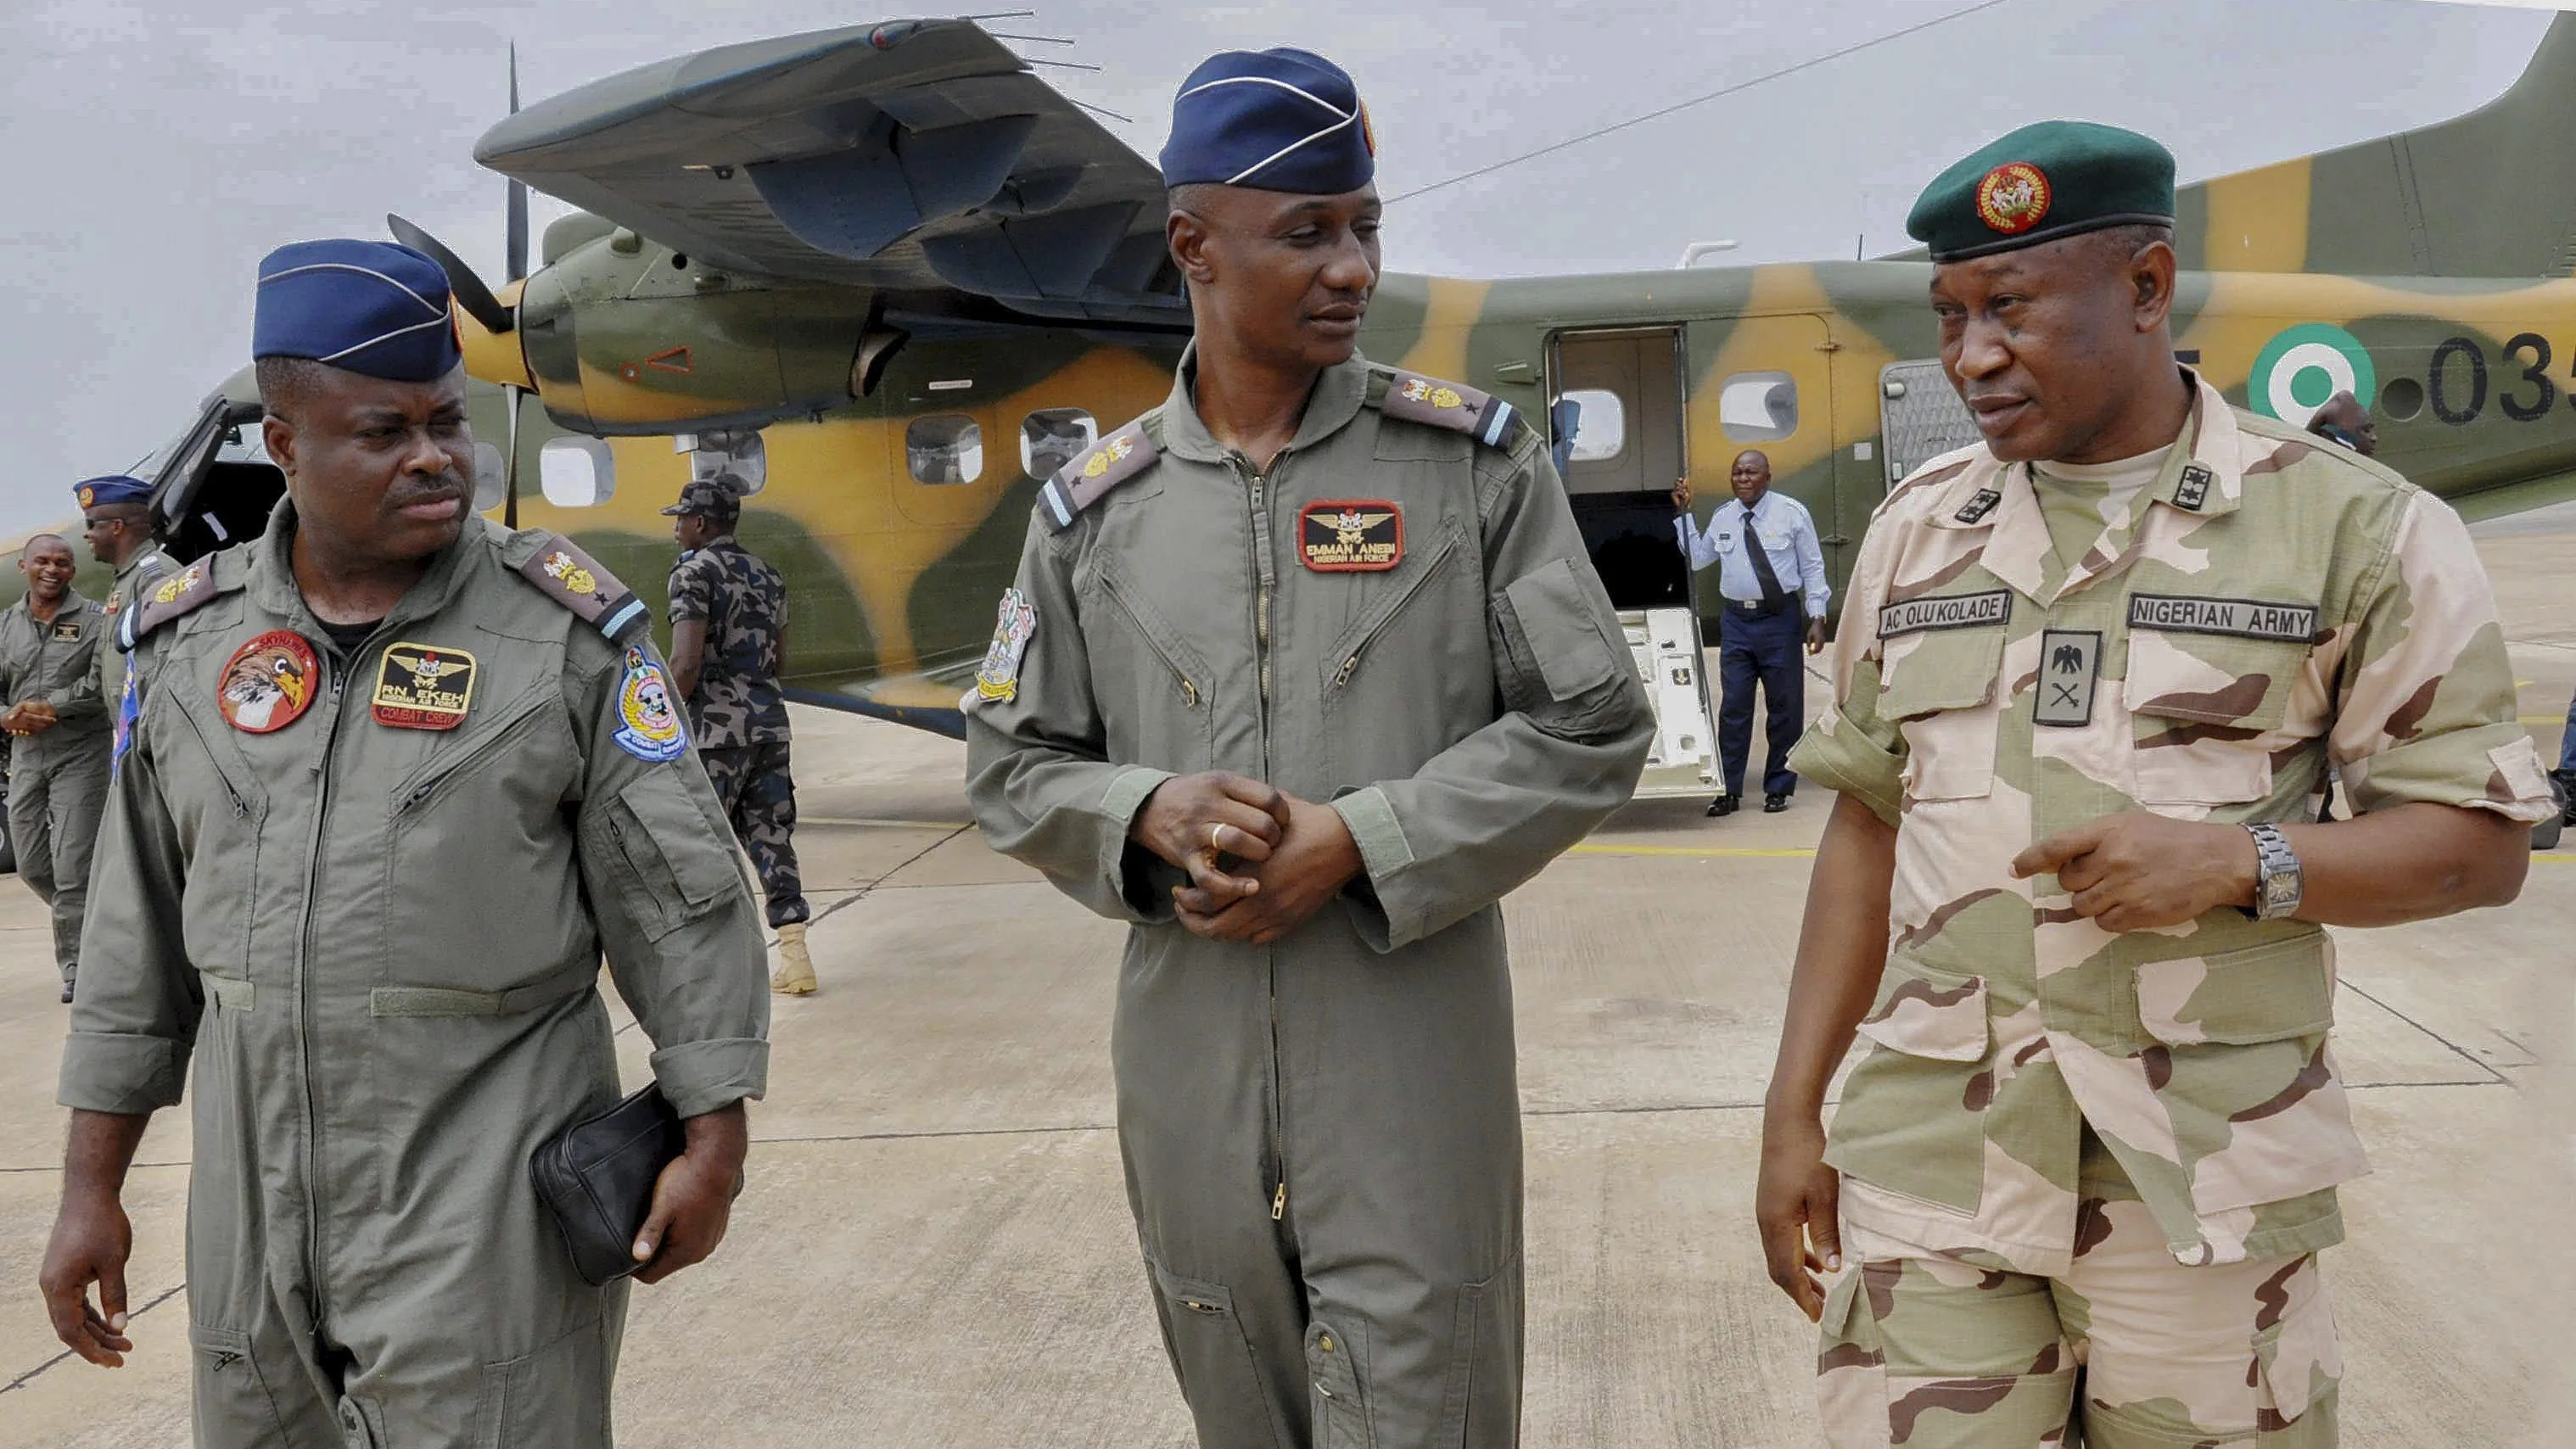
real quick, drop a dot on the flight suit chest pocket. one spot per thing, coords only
(220, 807)
(1150, 683)
(481, 814)
(2208, 711)
(1943, 691)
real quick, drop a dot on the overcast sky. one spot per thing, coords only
(162, 148)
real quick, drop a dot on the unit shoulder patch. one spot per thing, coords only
(564, 573)
(997, 680)
(1085, 480)
(649, 716)
(1452, 406)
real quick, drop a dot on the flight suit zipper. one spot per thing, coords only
(1127, 606)
(303, 986)
(1265, 578)
(1421, 578)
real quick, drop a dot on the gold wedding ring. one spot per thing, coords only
(1215, 834)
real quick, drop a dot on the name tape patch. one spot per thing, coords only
(423, 687)
(2234, 618)
(1944, 611)
(1350, 537)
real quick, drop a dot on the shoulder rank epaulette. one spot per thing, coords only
(1106, 464)
(157, 604)
(1453, 406)
(572, 578)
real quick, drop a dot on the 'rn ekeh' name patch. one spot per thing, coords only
(2234, 618)
(1350, 538)
(1944, 611)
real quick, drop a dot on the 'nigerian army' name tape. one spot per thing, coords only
(1944, 611)
(2235, 618)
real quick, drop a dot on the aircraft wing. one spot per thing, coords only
(918, 155)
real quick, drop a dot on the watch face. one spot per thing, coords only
(2281, 890)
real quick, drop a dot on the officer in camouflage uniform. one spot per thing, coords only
(400, 781)
(2089, 681)
(1302, 672)
(57, 728)
(728, 645)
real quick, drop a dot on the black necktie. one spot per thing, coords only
(1773, 596)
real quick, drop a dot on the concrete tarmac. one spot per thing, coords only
(935, 1250)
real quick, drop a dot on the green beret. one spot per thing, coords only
(2041, 183)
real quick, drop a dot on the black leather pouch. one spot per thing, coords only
(597, 1176)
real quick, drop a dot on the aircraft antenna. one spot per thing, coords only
(1058, 64)
(1661, 112)
(1030, 39)
(1001, 15)
(1104, 110)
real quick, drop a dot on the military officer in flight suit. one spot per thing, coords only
(116, 513)
(401, 778)
(2089, 679)
(57, 729)
(1302, 672)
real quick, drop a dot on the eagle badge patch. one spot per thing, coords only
(423, 687)
(1350, 537)
(269, 683)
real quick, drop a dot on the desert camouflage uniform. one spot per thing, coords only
(57, 777)
(738, 717)
(2051, 1111)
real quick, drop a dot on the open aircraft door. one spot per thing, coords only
(1618, 419)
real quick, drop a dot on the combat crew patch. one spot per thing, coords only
(1944, 611)
(2234, 618)
(1350, 538)
(269, 682)
(2070, 671)
(67, 631)
(1976, 508)
(652, 722)
(2013, 198)
(1103, 466)
(423, 687)
(1449, 405)
(2193, 491)
(998, 679)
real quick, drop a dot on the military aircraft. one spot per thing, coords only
(886, 280)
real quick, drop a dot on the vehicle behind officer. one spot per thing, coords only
(728, 646)
(400, 779)
(57, 727)
(1302, 672)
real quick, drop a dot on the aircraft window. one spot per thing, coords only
(1758, 407)
(2402, 399)
(490, 486)
(1600, 425)
(944, 448)
(1053, 437)
(733, 457)
(576, 472)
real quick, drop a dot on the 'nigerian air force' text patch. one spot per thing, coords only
(1349, 538)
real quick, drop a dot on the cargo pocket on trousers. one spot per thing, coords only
(233, 1404)
(554, 1398)
(1341, 1411)
(2298, 1366)
(1485, 1369)
(1210, 1354)
(1851, 1369)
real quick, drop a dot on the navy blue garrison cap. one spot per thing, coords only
(364, 306)
(114, 488)
(1275, 120)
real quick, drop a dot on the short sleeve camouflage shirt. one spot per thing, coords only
(744, 604)
(2268, 606)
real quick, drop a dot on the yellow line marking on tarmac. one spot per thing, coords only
(2542, 719)
(861, 822)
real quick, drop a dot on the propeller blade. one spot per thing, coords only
(471, 294)
(517, 242)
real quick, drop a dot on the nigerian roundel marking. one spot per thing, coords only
(2303, 366)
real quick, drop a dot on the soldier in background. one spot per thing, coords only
(49, 642)
(2090, 675)
(728, 645)
(117, 520)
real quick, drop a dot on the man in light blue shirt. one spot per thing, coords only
(1773, 594)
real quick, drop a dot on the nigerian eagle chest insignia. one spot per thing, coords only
(1343, 537)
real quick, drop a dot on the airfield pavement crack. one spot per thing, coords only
(23, 1379)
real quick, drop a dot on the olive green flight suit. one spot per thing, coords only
(382, 945)
(57, 776)
(1322, 1136)
(148, 567)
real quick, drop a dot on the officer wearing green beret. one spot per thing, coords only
(400, 781)
(1302, 671)
(2090, 680)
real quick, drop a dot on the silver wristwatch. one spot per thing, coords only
(2278, 883)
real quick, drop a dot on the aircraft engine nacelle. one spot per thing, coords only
(621, 336)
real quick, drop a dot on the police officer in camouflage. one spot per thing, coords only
(2089, 680)
(1302, 672)
(58, 738)
(728, 646)
(401, 781)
